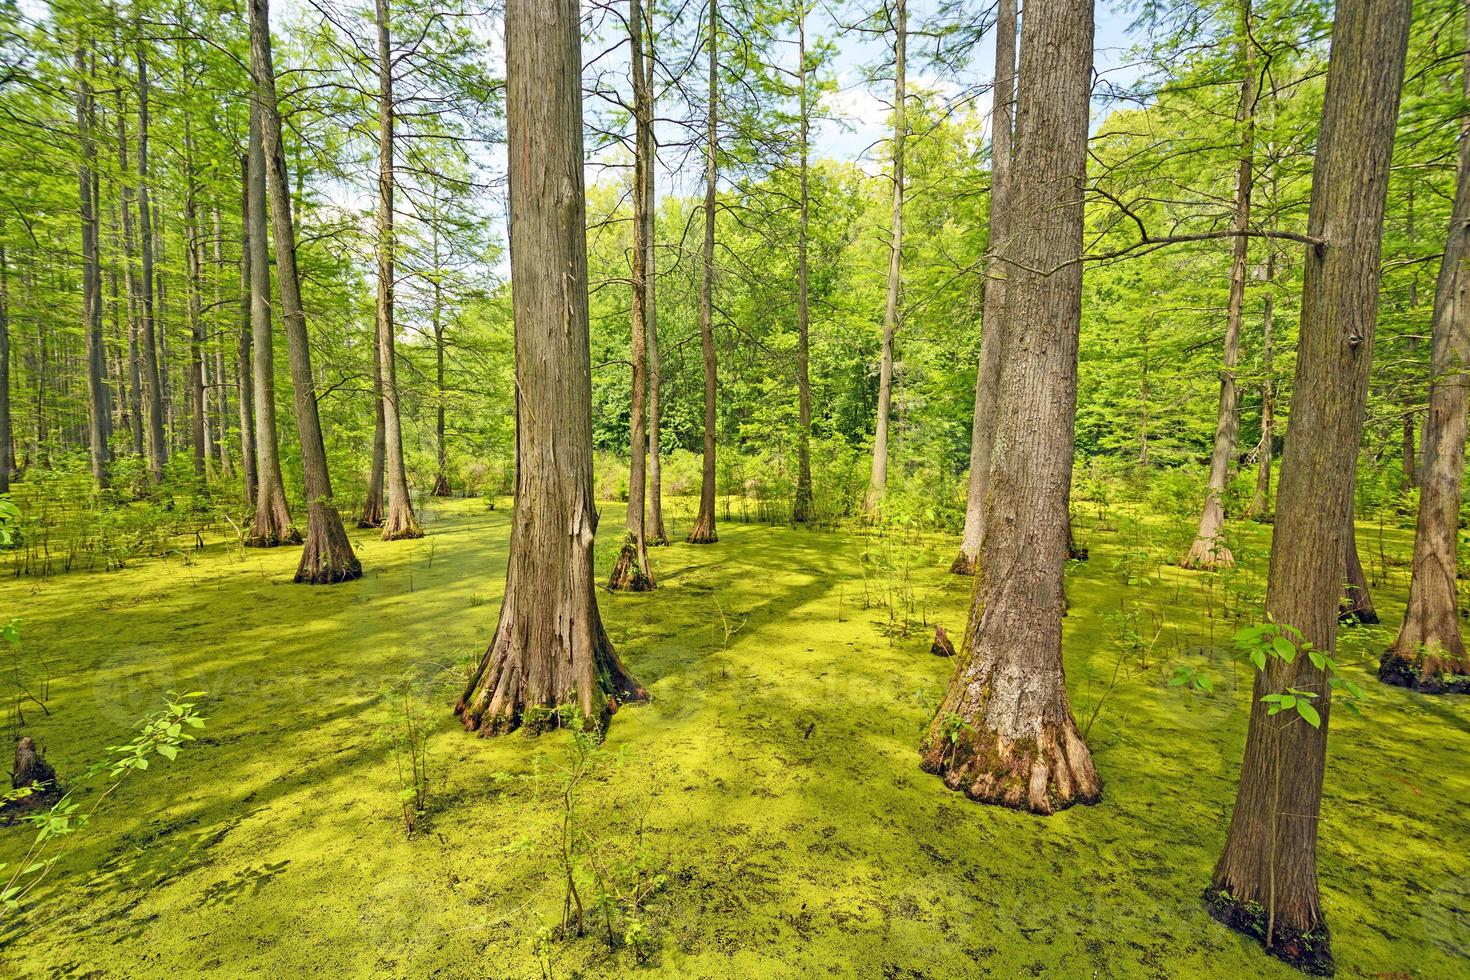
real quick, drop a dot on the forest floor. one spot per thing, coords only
(772, 780)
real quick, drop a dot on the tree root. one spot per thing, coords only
(1042, 775)
(1429, 673)
(1208, 555)
(1310, 952)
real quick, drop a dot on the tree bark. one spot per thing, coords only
(655, 533)
(801, 510)
(7, 440)
(1429, 652)
(272, 525)
(1005, 732)
(327, 556)
(1265, 883)
(134, 369)
(198, 407)
(372, 504)
(1356, 604)
(1208, 550)
(399, 522)
(987, 374)
(156, 443)
(221, 389)
(245, 395)
(550, 650)
(631, 572)
(441, 450)
(703, 531)
(878, 481)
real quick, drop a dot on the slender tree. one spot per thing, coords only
(1430, 649)
(272, 524)
(1265, 883)
(327, 556)
(703, 531)
(1355, 607)
(655, 532)
(98, 414)
(1261, 501)
(801, 510)
(399, 521)
(1005, 733)
(7, 436)
(372, 504)
(987, 374)
(245, 396)
(149, 289)
(631, 572)
(549, 649)
(1208, 550)
(878, 481)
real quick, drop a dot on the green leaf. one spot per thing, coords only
(1206, 685)
(1284, 648)
(1309, 714)
(1258, 657)
(168, 751)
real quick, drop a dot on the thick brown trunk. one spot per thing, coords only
(327, 556)
(1005, 733)
(1265, 883)
(987, 374)
(1208, 550)
(243, 375)
(878, 480)
(1356, 604)
(1429, 653)
(631, 572)
(272, 524)
(399, 521)
(155, 441)
(801, 510)
(550, 650)
(703, 531)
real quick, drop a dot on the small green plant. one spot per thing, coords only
(162, 733)
(1282, 641)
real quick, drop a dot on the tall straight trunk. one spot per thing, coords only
(1265, 883)
(631, 572)
(245, 395)
(1261, 502)
(1208, 549)
(97, 407)
(655, 532)
(221, 389)
(272, 525)
(399, 522)
(703, 531)
(550, 649)
(1429, 648)
(198, 409)
(156, 444)
(801, 510)
(436, 316)
(372, 504)
(878, 481)
(327, 556)
(1015, 742)
(7, 440)
(130, 269)
(1408, 456)
(987, 373)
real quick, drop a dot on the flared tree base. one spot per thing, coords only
(441, 487)
(631, 572)
(1309, 952)
(1353, 611)
(402, 527)
(1042, 775)
(1428, 673)
(703, 532)
(658, 539)
(1208, 555)
(327, 557)
(942, 645)
(272, 538)
(966, 564)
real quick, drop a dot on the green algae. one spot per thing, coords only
(775, 774)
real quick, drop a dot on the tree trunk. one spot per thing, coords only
(156, 443)
(1265, 883)
(245, 394)
(97, 407)
(372, 505)
(1430, 650)
(399, 522)
(550, 650)
(631, 572)
(878, 481)
(801, 510)
(7, 441)
(1261, 502)
(655, 533)
(222, 390)
(135, 304)
(1005, 732)
(327, 556)
(441, 451)
(198, 408)
(272, 525)
(703, 531)
(987, 374)
(1208, 550)
(1356, 603)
